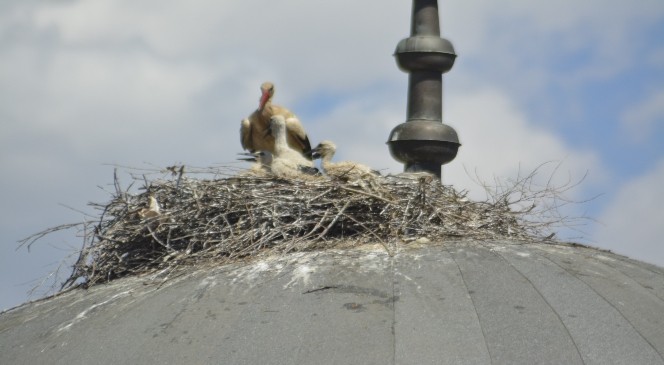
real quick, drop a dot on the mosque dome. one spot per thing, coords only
(465, 302)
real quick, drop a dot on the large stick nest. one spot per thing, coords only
(234, 218)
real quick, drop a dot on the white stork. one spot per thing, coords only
(262, 162)
(347, 169)
(253, 130)
(287, 162)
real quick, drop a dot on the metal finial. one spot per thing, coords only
(424, 142)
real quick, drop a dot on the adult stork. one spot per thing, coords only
(253, 130)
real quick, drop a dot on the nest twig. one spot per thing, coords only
(236, 217)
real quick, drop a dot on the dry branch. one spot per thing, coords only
(232, 216)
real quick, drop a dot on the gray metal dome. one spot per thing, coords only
(460, 302)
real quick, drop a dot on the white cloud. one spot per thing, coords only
(632, 222)
(360, 127)
(168, 28)
(533, 46)
(277, 37)
(642, 119)
(497, 140)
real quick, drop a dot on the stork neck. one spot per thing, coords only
(326, 158)
(280, 143)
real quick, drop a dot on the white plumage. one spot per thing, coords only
(287, 162)
(152, 210)
(348, 169)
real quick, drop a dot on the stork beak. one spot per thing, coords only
(264, 97)
(314, 153)
(251, 157)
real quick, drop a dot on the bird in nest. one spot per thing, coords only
(286, 161)
(345, 169)
(253, 129)
(262, 162)
(152, 210)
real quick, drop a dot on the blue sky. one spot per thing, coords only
(85, 85)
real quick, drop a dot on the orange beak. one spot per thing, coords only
(264, 99)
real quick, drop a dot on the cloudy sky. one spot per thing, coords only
(86, 85)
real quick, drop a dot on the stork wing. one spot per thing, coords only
(297, 135)
(245, 135)
(309, 170)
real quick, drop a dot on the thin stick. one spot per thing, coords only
(334, 220)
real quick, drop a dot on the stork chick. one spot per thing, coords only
(346, 169)
(262, 162)
(152, 210)
(287, 162)
(253, 129)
